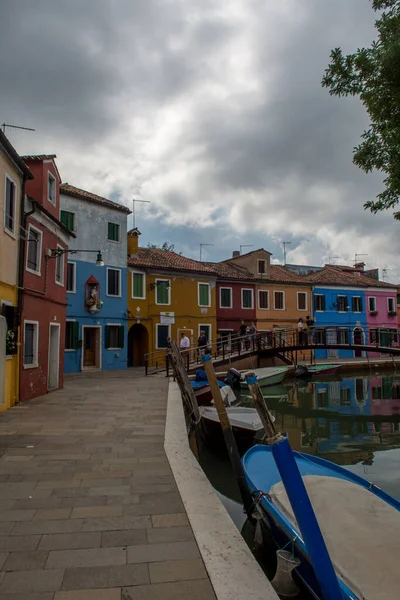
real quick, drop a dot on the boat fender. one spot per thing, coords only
(283, 582)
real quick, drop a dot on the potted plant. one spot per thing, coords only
(11, 342)
(373, 313)
(392, 313)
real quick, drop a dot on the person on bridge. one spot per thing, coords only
(184, 342)
(310, 328)
(300, 327)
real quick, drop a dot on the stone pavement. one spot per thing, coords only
(89, 508)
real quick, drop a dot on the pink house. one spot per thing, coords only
(381, 313)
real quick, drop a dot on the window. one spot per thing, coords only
(71, 277)
(301, 301)
(10, 206)
(60, 268)
(163, 292)
(31, 343)
(207, 331)
(247, 298)
(391, 305)
(371, 304)
(51, 189)
(279, 300)
(343, 336)
(71, 335)
(225, 297)
(263, 299)
(345, 397)
(68, 219)
(319, 336)
(341, 303)
(8, 311)
(398, 299)
(319, 302)
(204, 294)
(34, 253)
(113, 282)
(138, 285)
(373, 336)
(162, 334)
(357, 304)
(261, 267)
(114, 337)
(113, 232)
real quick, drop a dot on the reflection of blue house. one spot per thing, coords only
(96, 331)
(351, 396)
(338, 302)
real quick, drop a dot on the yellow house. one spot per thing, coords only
(168, 294)
(13, 174)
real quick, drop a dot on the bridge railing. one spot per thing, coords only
(284, 342)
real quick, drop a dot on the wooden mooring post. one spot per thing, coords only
(270, 432)
(181, 376)
(230, 442)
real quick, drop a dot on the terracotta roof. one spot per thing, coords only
(226, 270)
(334, 276)
(14, 156)
(70, 190)
(283, 275)
(39, 157)
(153, 258)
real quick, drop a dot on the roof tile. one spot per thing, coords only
(70, 190)
(154, 258)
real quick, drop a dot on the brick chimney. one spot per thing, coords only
(235, 253)
(133, 241)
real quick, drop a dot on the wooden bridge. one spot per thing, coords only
(287, 344)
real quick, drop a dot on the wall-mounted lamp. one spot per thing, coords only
(54, 252)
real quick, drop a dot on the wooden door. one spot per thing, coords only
(89, 347)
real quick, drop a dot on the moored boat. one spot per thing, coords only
(267, 376)
(316, 370)
(245, 422)
(360, 523)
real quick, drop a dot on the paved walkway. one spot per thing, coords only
(89, 508)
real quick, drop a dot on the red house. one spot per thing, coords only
(235, 298)
(44, 277)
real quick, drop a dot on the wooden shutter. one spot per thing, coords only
(75, 335)
(121, 336)
(107, 336)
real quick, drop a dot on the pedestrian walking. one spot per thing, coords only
(310, 328)
(252, 333)
(202, 343)
(243, 333)
(300, 327)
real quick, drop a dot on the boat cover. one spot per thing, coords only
(361, 531)
(196, 385)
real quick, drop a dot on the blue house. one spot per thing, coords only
(96, 326)
(339, 303)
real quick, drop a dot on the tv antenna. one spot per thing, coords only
(4, 125)
(134, 211)
(201, 248)
(384, 273)
(284, 244)
(356, 257)
(245, 246)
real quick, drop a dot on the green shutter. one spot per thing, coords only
(75, 335)
(137, 285)
(121, 336)
(113, 232)
(107, 336)
(67, 219)
(162, 292)
(204, 299)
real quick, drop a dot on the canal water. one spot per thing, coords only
(353, 421)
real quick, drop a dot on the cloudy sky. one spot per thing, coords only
(210, 109)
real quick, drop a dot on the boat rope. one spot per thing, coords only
(259, 494)
(292, 542)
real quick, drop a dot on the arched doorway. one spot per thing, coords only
(138, 345)
(358, 340)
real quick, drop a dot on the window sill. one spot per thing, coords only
(280, 309)
(204, 305)
(37, 273)
(71, 291)
(247, 308)
(158, 304)
(138, 297)
(226, 307)
(114, 295)
(70, 349)
(12, 234)
(10, 356)
(33, 366)
(259, 308)
(114, 241)
(113, 349)
(59, 283)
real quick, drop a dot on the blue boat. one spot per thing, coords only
(359, 521)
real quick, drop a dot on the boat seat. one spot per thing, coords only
(361, 531)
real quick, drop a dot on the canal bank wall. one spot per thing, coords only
(233, 571)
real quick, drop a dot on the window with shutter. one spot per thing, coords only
(391, 305)
(204, 294)
(30, 343)
(34, 250)
(9, 216)
(372, 304)
(162, 334)
(113, 232)
(51, 189)
(113, 282)
(357, 304)
(138, 285)
(342, 303)
(71, 335)
(261, 266)
(114, 337)
(319, 302)
(247, 298)
(279, 300)
(263, 299)
(162, 291)
(68, 219)
(71, 277)
(226, 297)
(301, 301)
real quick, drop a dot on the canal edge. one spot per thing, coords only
(233, 571)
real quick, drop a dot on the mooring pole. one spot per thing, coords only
(259, 403)
(230, 442)
(306, 519)
(298, 498)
